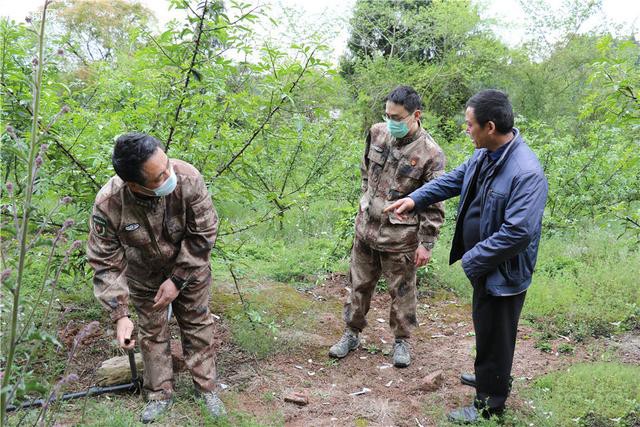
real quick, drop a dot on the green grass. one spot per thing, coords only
(584, 395)
(587, 394)
(585, 285)
(585, 282)
(125, 410)
(271, 310)
(439, 275)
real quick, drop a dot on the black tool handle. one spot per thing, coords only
(132, 365)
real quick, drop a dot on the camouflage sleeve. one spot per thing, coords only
(364, 165)
(432, 218)
(200, 234)
(107, 258)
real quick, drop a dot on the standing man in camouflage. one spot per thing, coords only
(152, 230)
(399, 157)
(503, 191)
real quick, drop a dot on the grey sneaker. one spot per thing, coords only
(213, 403)
(401, 357)
(154, 409)
(349, 341)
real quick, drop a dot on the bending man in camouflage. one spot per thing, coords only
(399, 157)
(152, 230)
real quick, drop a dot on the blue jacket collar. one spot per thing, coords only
(507, 149)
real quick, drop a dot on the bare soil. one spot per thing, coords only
(444, 341)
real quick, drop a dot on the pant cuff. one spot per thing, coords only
(159, 395)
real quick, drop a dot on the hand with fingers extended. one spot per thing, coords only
(401, 207)
(167, 292)
(124, 329)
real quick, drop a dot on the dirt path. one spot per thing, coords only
(443, 342)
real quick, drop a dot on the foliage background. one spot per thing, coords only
(276, 128)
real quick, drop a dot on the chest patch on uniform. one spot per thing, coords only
(99, 225)
(132, 227)
(413, 162)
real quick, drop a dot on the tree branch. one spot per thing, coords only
(266, 120)
(57, 142)
(176, 115)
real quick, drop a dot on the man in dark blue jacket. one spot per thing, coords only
(503, 193)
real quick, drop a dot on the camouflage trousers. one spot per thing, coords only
(399, 270)
(191, 309)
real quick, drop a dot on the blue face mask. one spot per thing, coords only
(397, 129)
(166, 188)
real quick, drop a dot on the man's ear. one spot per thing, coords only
(492, 127)
(417, 114)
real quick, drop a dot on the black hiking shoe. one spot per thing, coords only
(468, 379)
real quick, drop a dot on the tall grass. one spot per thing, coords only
(587, 394)
(585, 284)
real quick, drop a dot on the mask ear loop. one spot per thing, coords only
(153, 193)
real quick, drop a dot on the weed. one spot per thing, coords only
(371, 348)
(382, 286)
(269, 396)
(585, 285)
(566, 348)
(587, 394)
(330, 363)
(544, 346)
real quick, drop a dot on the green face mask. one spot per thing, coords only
(398, 129)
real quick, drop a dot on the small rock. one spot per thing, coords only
(297, 397)
(431, 382)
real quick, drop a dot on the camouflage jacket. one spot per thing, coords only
(391, 169)
(133, 237)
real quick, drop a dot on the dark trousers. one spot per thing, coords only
(495, 320)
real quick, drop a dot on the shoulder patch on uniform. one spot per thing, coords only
(99, 225)
(132, 227)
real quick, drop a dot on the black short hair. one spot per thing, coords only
(492, 106)
(407, 97)
(129, 154)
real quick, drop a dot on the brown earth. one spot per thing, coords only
(443, 342)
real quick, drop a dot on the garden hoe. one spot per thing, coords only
(132, 387)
